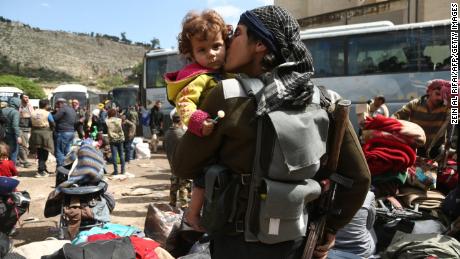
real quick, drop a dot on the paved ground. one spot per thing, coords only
(150, 173)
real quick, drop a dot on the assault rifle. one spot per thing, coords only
(326, 200)
(390, 214)
(445, 155)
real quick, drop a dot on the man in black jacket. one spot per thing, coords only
(156, 124)
(65, 129)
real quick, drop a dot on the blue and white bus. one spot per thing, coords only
(358, 61)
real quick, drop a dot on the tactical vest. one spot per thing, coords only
(40, 119)
(290, 144)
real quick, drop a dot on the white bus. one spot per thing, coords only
(6, 92)
(358, 61)
(69, 92)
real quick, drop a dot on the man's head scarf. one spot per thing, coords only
(436, 84)
(289, 83)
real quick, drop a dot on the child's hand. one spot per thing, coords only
(208, 127)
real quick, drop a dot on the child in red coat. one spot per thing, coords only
(7, 167)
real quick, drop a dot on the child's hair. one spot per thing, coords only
(200, 25)
(4, 150)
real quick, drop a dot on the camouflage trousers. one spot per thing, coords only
(183, 186)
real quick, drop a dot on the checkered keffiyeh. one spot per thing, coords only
(289, 83)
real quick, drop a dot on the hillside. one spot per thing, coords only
(62, 56)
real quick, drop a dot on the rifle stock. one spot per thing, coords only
(447, 144)
(317, 226)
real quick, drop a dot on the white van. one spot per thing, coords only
(69, 92)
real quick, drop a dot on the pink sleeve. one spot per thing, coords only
(195, 124)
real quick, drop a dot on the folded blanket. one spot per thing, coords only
(385, 155)
(398, 130)
(410, 196)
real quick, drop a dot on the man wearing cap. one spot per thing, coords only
(429, 112)
(102, 117)
(64, 119)
(275, 68)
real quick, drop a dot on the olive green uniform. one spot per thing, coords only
(232, 144)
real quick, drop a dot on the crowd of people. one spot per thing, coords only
(243, 177)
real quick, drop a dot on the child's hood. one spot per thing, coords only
(176, 81)
(189, 71)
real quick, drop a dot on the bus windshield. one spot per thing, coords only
(154, 84)
(159, 65)
(81, 97)
(125, 97)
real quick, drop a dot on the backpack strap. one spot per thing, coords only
(232, 89)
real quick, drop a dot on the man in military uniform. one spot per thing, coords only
(25, 112)
(173, 135)
(265, 47)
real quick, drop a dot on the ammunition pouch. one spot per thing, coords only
(221, 194)
(283, 215)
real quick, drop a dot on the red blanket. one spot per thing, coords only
(385, 155)
(383, 123)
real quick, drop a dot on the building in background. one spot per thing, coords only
(314, 14)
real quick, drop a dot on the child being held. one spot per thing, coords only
(7, 167)
(203, 41)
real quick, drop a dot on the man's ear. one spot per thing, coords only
(260, 47)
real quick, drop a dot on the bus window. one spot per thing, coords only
(124, 97)
(161, 65)
(328, 56)
(435, 48)
(379, 53)
(155, 80)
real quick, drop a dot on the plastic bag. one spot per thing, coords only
(142, 151)
(160, 220)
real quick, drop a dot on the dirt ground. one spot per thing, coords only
(151, 174)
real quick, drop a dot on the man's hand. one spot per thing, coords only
(208, 127)
(19, 140)
(322, 250)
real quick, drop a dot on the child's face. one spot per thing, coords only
(209, 53)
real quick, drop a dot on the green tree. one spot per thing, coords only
(155, 43)
(123, 37)
(109, 82)
(33, 90)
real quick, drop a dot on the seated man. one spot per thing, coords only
(429, 112)
(357, 237)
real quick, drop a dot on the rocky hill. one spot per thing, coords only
(63, 55)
